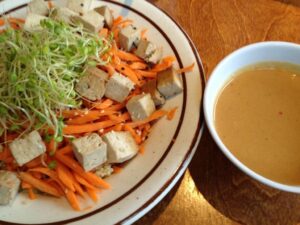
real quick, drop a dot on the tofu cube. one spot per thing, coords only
(118, 87)
(90, 151)
(63, 14)
(107, 14)
(121, 146)
(33, 22)
(92, 84)
(148, 51)
(169, 83)
(9, 187)
(91, 21)
(39, 7)
(80, 6)
(150, 87)
(129, 37)
(140, 107)
(27, 148)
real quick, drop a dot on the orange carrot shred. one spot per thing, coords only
(117, 169)
(186, 69)
(65, 150)
(165, 64)
(2, 22)
(93, 194)
(127, 56)
(64, 176)
(156, 115)
(171, 113)
(71, 197)
(31, 194)
(138, 66)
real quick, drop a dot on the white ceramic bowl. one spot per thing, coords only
(251, 54)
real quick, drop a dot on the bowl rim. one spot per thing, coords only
(210, 122)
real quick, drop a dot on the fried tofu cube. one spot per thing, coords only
(90, 151)
(33, 22)
(27, 148)
(107, 14)
(118, 87)
(39, 7)
(121, 146)
(92, 84)
(80, 6)
(140, 107)
(150, 87)
(91, 21)
(169, 83)
(9, 187)
(63, 14)
(148, 51)
(129, 37)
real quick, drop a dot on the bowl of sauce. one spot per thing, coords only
(252, 109)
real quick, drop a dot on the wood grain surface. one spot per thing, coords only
(213, 191)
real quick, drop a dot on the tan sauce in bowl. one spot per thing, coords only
(257, 116)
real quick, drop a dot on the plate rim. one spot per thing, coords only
(168, 184)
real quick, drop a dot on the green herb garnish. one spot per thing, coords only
(38, 72)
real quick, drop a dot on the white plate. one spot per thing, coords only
(147, 178)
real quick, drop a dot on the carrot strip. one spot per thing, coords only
(77, 186)
(121, 118)
(171, 113)
(16, 20)
(109, 68)
(65, 150)
(83, 182)
(156, 115)
(125, 23)
(90, 177)
(186, 69)
(71, 197)
(64, 176)
(117, 21)
(143, 33)
(142, 149)
(93, 194)
(52, 146)
(138, 66)
(86, 128)
(136, 137)
(117, 169)
(34, 163)
(127, 56)
(103, 32)
(148, 74)
(2, 22)
(165, 64)
(25, 185)
(15, 25)
(105, 104)
(5, 153)
(127, 71)
(38, 184)
(50, 4)
(116, 107)
(31, 194)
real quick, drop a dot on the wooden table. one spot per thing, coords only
(213, 191)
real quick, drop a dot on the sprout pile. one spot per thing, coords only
(38, 72)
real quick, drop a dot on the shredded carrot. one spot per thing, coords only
(86, 128)
(166, 63)
(148, 74)
(93, 194)
(31, 194)
(171, 113)
(77, 187)
(65, 150)
(82, 181)
(127, 56)
(90, 177)
(142, 149)
(117, 21)
(34, 163)
(16, 20)
(138, 66)
(105, 104)
(52, 146)
(117, 169)
(156, 115)
(186, 69)
(116, 107)
(143, 33)
(39, 184)
(136, 137)
(125, 23)
(50, 4)
(64, 176)
(5, 154)
(127, 71)
(2, 22)
(25, 185)
(71, 196)
(103, 32)
(15, 25)
(109, 68)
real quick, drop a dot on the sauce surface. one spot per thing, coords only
(257, 116)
